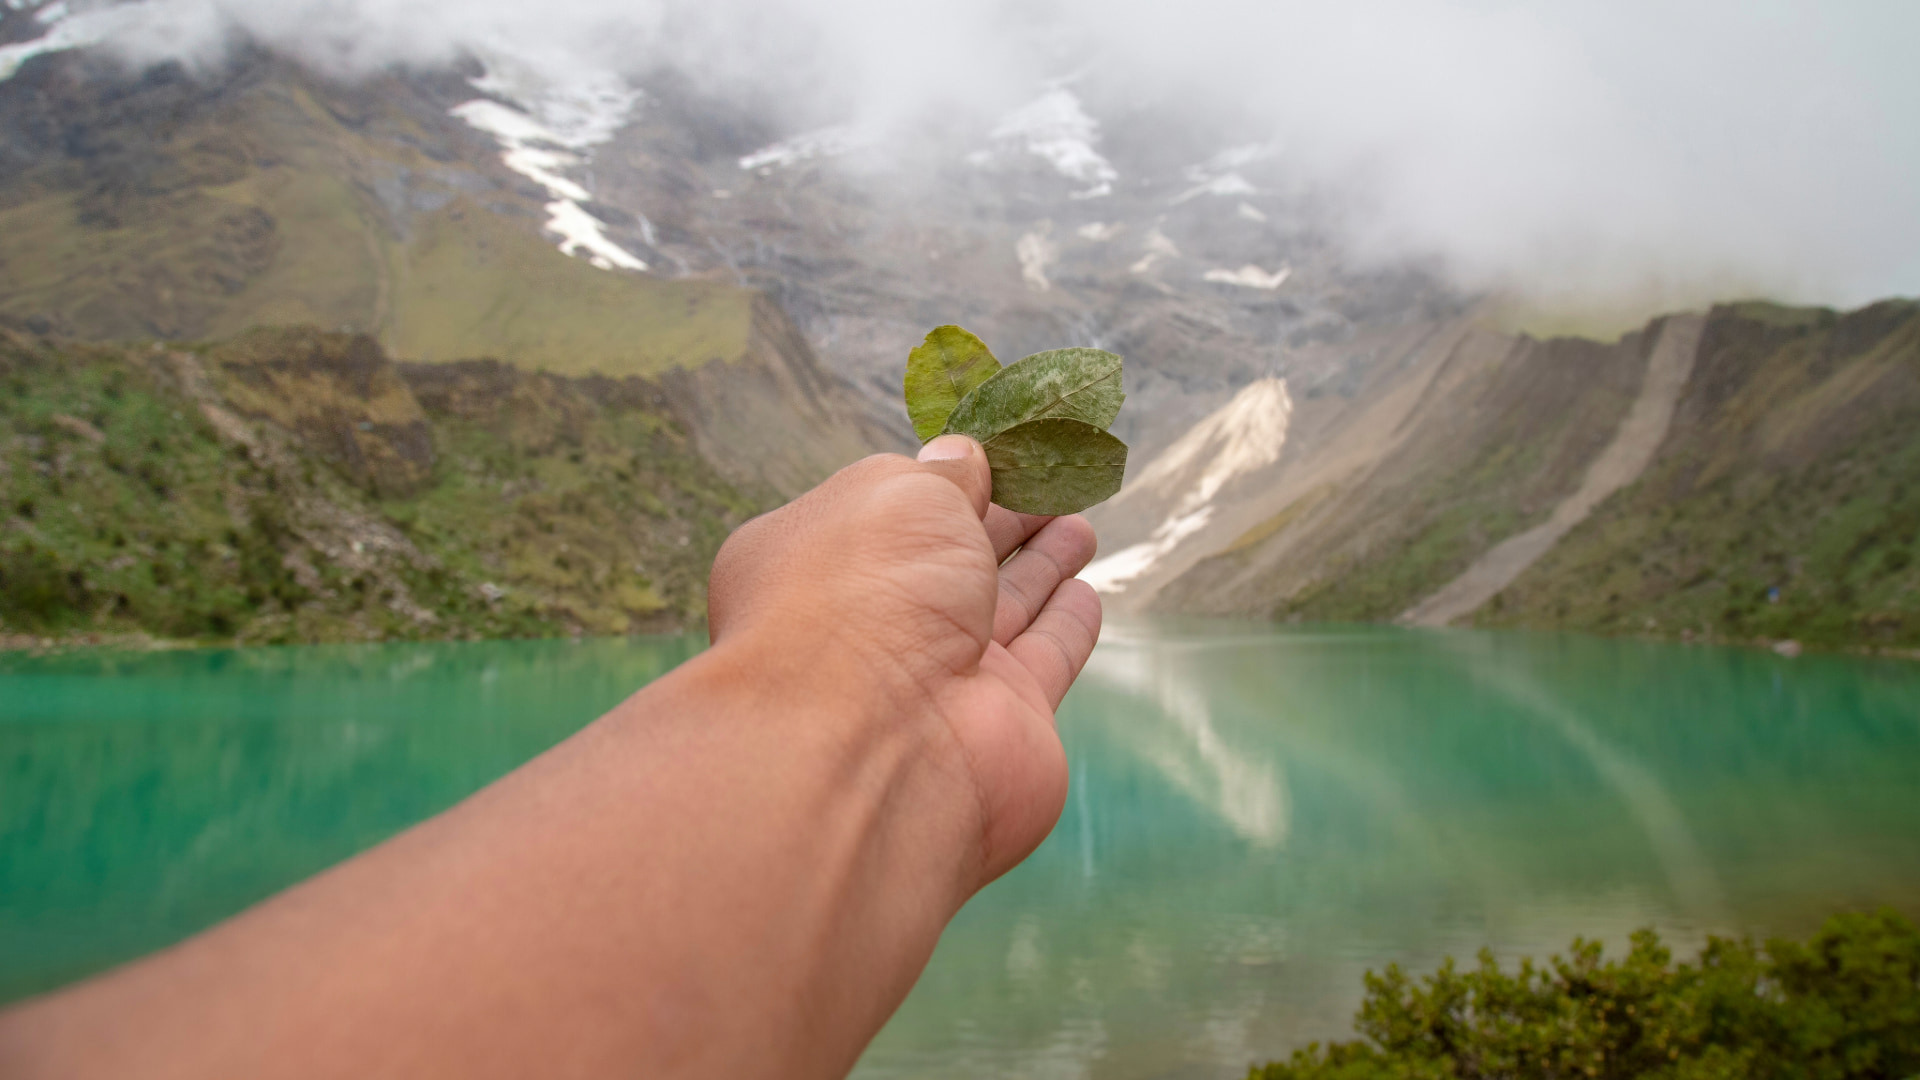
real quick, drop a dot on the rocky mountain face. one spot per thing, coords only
(1784, 502)
(177, 206)
(448, 427)
(1745, 475)
(1313, 436)
(1180, 249)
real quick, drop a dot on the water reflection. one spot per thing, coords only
(1243, 786)
(1257, 815)
(148, 795)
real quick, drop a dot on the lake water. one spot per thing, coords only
(1257, 815)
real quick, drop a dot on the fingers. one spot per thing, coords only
(1055, 553)
(1057, 645)
(960, 459)
(1009, 530)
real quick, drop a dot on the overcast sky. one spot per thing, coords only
(1685, 149)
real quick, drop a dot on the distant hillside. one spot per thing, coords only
(294, 485)
(370, 480)
(1769, 458)
(1785, 503)
(186, 208)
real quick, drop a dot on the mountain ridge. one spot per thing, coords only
(1835, 573)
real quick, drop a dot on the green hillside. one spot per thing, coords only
(1784, 504)
(1502, 434)
(186, 209)
(294, 485)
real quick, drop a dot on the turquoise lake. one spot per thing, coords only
(1258, 815)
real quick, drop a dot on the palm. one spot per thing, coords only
(916, 574)
(1003, 712)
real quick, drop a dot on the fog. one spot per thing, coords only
(1587, 152)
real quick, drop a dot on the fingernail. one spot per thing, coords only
(947, 448)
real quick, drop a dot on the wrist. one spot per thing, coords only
(870, 735)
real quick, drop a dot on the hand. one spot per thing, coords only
(739, 871)
(894, 575)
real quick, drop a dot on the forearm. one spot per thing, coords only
(711, 880)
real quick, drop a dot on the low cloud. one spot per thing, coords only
(1587, 151)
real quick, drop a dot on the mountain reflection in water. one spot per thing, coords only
(1258, 814)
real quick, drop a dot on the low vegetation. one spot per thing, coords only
(1785, 504)
(297, 486)
(1844, 1005)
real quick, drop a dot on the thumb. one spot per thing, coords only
(961, 460)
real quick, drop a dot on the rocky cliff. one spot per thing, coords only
(1743, 475)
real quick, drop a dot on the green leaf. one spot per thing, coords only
(1075, 384)
(946, 367)
(1054, 466)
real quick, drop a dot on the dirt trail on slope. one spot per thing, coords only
(1620, 464)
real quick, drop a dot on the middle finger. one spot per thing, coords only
(1058, 551)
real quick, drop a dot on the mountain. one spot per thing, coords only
(296, 359)
(1315, 435)
(170, 205)
(1746, 475)
(298, 485)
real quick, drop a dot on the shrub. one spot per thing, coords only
(1844, 1005)
(36, 591)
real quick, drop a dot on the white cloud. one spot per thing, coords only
(1582, 147)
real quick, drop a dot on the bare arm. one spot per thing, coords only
(739, 871)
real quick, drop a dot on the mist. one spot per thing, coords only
(1583, 154)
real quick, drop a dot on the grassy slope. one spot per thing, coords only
(128, 510)
(1487, 459)
(1793, 466)
(198, 213)
(472, 283)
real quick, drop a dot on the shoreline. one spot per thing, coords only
(13, 643)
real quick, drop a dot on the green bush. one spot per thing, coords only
(36, 591)
(1845, 1004)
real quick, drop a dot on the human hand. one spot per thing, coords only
(739, 871)
(891, 580)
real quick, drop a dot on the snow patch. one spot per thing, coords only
(1251, 212)
(1055, 128)
(68, 31)
(1250, 277)
(827, 142)
(580, 235)
(1240, 437)
(1112, 573)
(1157, 246)
(577, 108)
(1036, 252)
(560, 121)
(1101, 232)
(1219, 174)
(1230, 184)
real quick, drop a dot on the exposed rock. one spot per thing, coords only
(338, 392)
(774, 418)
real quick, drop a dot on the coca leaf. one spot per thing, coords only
(946, 367)
(1074, 384)
(1054, 466)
